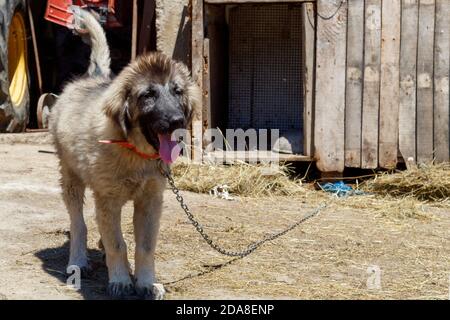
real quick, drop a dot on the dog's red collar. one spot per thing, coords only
(125, 144)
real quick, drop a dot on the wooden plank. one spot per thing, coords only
(197, 75)
(206, 109)
(330, 86)
(252, 156)
(146, 26)
(389, 83)
(425, 81)
(308, 87)
(441, 81)
(35, 48)
(254, 1)
(354, 83)
(134, 28)
(371, 91)
(218, 65)
(408, 80)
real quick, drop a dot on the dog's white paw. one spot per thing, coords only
(154, 291)
(158, 291)
(120, 289)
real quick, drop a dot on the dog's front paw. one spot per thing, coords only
(154, 291)
(119, 290)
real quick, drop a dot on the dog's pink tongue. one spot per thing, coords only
(169, 150)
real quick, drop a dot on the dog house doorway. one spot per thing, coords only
(256, 70)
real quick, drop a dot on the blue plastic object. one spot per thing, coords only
(340, 189)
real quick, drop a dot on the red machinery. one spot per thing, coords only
(58, 11)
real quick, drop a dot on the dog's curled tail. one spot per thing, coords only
(100, 60)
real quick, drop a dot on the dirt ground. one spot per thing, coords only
(340, 254)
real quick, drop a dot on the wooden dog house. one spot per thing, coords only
(365, 83)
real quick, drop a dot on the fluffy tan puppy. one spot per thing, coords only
(143, 105)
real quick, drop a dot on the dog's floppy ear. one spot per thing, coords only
(117, 108)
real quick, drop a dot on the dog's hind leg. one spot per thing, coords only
(147, 213)
(73, 193)
(108, 211)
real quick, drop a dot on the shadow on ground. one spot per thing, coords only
(54, 262)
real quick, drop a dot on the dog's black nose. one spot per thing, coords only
(177, 122)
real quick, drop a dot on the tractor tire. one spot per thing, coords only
(14, 71)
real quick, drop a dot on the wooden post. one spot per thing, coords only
(408, 66)
(35, 48)
(146, 25)
(309, 24)
(354, 83)
(425, 81)
(389, 83)
(206, 109)
(197, 75)
(134, 30)
(371, 95)
(441, 81)
(330, 85)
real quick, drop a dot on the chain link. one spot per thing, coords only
(166, 172)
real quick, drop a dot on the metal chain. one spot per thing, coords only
(253, 246)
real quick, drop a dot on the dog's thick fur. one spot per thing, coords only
(95, 107)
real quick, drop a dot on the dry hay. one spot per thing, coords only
(428, 182)
(390, 207)
(242, 179)
(413, 194)
(385, 206)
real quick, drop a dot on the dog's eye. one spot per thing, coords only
(178, 91)
(150, 94)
